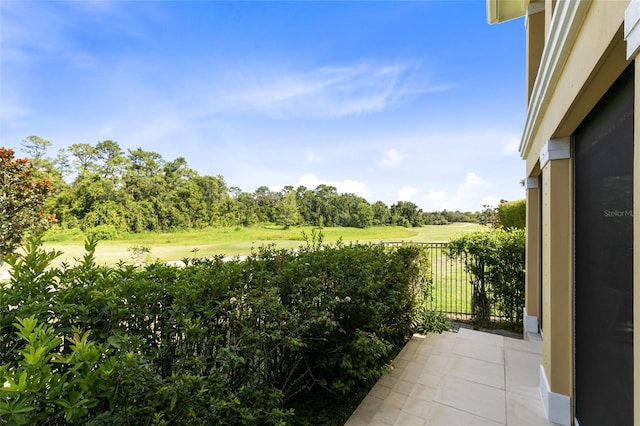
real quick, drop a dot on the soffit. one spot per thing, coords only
(505, 10)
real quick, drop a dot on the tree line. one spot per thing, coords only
(102, 185)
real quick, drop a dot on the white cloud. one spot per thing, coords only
(311, 181)
(407, 193)
(391, 158)
(511, 145)
(471, 185)
(470, 195)
(312, 157)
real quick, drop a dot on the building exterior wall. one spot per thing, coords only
(580, 76)
(584, 78)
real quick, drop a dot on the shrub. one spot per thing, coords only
(102, 232)
(513, 214)
(238, 342)
(430, 321)
(495, 260)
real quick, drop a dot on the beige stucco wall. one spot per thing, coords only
(532, 257)
(535, 44)
(585, 78)
(557, 279)
(595, 62)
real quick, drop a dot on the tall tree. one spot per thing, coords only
(287, 210)
(35, 147)
(43, 166)
(381, 214)
(112, 158)
(85, 155)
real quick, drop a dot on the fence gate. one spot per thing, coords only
(451, 287)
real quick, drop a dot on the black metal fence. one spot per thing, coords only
(451, 287)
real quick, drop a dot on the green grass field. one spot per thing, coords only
(451, 287)
(235, 241)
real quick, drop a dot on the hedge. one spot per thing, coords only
(215, 342)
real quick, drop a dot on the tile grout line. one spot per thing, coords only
(506, 409)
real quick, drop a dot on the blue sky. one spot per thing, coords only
(420, 101)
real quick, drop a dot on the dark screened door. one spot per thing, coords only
(604, 260)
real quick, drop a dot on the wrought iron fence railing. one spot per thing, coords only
(451, 288)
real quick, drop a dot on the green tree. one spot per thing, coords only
(22, 198)
(380, 214)
(406, 213)
(42, 165)
(266, 201)
(36, 148)
(513, 214)
(112, 158)
(85, 156)
(496, 261)
(287, 209)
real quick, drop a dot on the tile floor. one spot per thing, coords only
(467, 378)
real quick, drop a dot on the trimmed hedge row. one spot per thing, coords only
(237, 342)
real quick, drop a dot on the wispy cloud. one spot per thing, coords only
(330, 91)
(391, 158)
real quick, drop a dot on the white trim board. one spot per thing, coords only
(530, 322)
(555, 149)
(565, 24)
(557, 407)
(632, 28)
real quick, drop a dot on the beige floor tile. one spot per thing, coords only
(413, 370)
(377, 421)
(386, 415)
(475, 370)
(423, 353)
(403, 387)
(468, 379)
(360, 418)
(441, 343)
(380, 391)
(417, 408)
(479, 336)
(390, 379)
(371, 403)
(525, 411)
(398, 364)
(523, 345)
(357, 421)
(423, 393)
(479, 350)
(480, 400)
(522, 372)
(365, 411)
(394, 400)
(406, 419)
(409, 350)
(442, 415)
(429, 379)
(439, 338)
(436, 364)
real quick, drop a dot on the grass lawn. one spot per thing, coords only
(235, 241)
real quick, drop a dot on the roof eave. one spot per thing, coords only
(505, 10)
